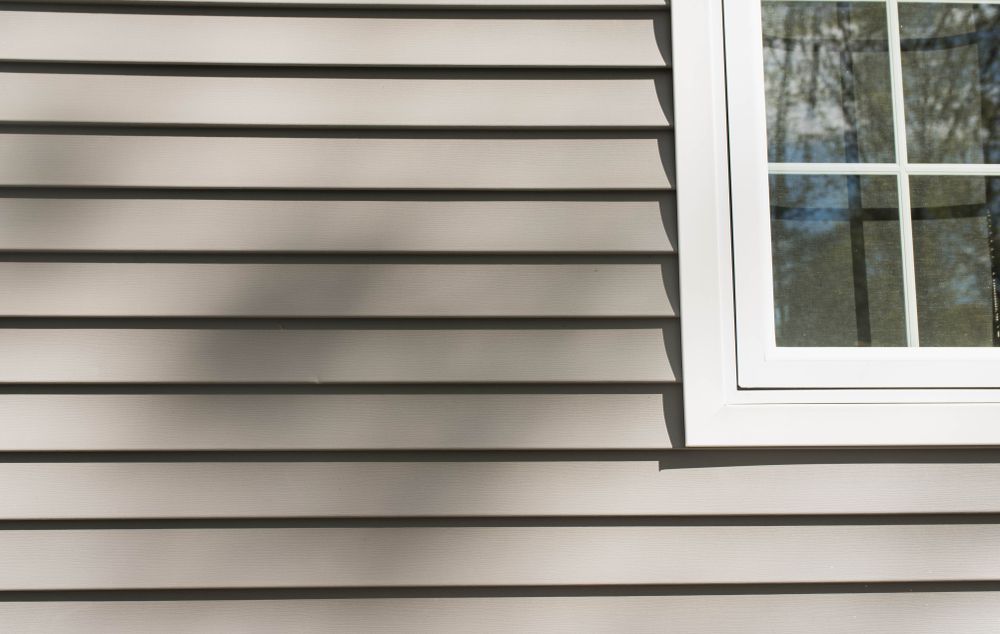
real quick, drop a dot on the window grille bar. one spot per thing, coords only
(903, 180)
(888, 169)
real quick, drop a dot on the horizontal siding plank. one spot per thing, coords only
(165, 422)
(43, 559)
(913, 612)
(388, 4)
(638, 162)
(604, 39)
(348, 226)
(68, 289)
(335, 102)
(485, 488)
(338, 356)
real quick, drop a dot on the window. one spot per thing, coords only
(839, 204)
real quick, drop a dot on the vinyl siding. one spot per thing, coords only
(345, 38)
(344, 222)
(480, 99)
(363, 316)
(784, 613)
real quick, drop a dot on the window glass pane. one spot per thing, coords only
(954, 243)
(827, 80)
(837, 261)
(951, 82)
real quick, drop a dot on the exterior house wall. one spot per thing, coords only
(324, 317)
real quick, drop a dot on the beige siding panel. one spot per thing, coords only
(485, 488)
(503, 555)
(389, 4)
(603, 39)
(636, 162)
(338, 356)
(912, 612)
(399, 226)
(164, 422)
(341, 101)
(67, 289)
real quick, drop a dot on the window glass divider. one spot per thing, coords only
(905, 215)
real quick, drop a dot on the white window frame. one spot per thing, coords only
(717, 411)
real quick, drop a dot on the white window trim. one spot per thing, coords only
(717, 412)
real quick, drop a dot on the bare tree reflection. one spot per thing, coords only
(823, 229)
(955, 262)
(827, 70)
(951, 76)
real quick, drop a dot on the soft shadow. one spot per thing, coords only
(713, 458)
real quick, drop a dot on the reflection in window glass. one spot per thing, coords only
(951, 82)
(827, 82)
(836, 238)
(837, 261)
(954, 242)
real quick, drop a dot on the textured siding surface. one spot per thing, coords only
(362, 316)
